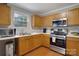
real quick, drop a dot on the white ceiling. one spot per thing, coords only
(43, 8)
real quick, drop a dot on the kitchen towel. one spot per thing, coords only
(54, 39)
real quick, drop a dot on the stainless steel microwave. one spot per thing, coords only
(59, 22)
(4, 32)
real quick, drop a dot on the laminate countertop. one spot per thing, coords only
(73, 36)
(17, 36)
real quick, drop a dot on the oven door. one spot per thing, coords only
(60, 42)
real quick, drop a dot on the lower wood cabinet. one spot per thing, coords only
(72, 46)
(35, 41)
(26, 44)
(22, 45)
(40, 40)
(46, 40)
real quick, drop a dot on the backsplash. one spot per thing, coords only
(73, 29)
(70, 29)
(26, 30)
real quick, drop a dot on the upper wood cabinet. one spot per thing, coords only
(37, 21)
(5, 14)
(73, 17)
(72, 46)
(48, 19)
(60, 15)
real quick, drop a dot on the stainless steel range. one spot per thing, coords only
(58, 40)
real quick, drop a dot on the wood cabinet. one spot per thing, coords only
(78, 47)
(37, 21)
(60, 15)
(39, 40)
(73, 17)
(26, 44)
(46, 40)
(23, 45)
(5, 14)
(48, 19)
(72, 46)
(35, 41)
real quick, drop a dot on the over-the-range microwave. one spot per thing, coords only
(59, 22)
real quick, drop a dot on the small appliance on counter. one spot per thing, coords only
(7, 32)
(44, 30)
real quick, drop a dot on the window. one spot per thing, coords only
(20, 20)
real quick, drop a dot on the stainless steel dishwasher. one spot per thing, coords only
(9, 48)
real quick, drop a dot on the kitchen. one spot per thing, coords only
(39, 29)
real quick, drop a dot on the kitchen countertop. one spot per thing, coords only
(17, 36)
(73, 36)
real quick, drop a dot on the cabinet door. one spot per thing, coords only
(37, 21)
(48, 20)
(37, 40)
(22, 45)
(77, 46)
(60, 15)
(73, 17)
(46, 40)
(34, 41)
(27, 43)
(5, 14)
(71, 46)
(31, 45)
